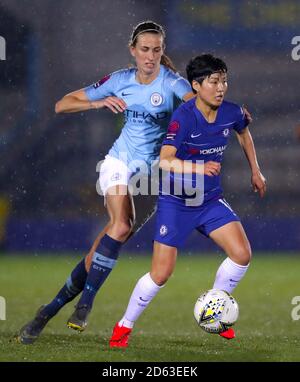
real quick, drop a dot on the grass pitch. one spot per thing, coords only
(166, 331)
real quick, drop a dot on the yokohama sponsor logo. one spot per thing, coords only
(213, 150)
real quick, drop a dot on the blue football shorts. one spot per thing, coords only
(175, 221)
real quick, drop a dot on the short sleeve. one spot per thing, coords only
(103, 88)
(179, 85)
(241, 122)
(177, 128)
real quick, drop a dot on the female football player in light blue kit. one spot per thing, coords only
(199, 131)
(147, 95)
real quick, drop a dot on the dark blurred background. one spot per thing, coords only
(48, 199)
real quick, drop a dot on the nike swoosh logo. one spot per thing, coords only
(102, 261)
(195, 135)
(126, 94)
(141, 298)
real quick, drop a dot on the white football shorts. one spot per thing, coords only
(113, 172)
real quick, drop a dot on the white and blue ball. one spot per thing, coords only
(216, 310)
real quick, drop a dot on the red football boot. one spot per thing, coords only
(119, 337)
(229, 334)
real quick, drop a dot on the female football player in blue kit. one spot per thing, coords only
(198, 131)
(147, 95)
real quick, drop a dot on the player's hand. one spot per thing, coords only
(247, 114)
(212, 168)
(115, 104)
(259, 183)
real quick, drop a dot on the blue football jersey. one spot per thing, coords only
(148, 112)
(197, 139)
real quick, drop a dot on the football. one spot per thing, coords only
(215, 311)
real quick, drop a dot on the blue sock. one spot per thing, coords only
(73, 286)
(104, 260)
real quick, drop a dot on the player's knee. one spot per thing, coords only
(243, 255)
(121, 229)
(160, 278)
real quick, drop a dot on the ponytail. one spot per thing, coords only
(166, 61)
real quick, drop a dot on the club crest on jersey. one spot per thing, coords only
(226, 132)
(116, 176)
(156, 99)
(163, 230)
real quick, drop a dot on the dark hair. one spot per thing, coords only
(151, 27)
(203, 66)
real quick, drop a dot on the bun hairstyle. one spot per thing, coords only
(151, 27)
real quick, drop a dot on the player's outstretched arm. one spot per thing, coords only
(257, 179)
(247, 114)
(169, 162)
(188, 96)
(78, 101)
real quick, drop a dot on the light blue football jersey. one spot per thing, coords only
(149, 108)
